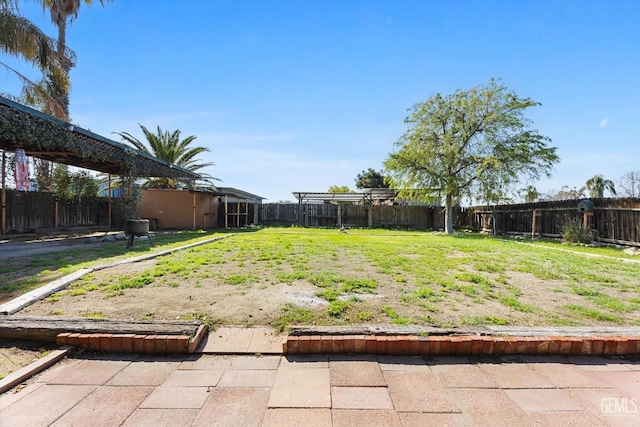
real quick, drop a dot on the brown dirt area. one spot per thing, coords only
(206, 294)
(15, 354)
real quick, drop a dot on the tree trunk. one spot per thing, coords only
(61, 94)
(448, 214)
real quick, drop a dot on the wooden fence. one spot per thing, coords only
(31, 211)
(613, 220)
(376, 216)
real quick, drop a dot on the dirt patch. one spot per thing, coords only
(249, 280)
(14, 355)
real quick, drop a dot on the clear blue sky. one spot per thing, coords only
(302, 95)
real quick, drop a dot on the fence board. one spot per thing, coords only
(614, 220)
(33, 210)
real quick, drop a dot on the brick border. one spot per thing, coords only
(460, 345)
(130, 343)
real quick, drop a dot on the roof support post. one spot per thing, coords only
(4, 193)
(226, 211)
(109, 197)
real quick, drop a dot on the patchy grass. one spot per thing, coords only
(16, 278)
(379, 276)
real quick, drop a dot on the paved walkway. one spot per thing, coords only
(99, 389)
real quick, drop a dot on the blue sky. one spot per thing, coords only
(302, 95)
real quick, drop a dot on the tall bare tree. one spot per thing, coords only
(630, 184)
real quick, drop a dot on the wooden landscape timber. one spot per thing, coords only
(46, 329)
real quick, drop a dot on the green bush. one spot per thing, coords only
(574, 232)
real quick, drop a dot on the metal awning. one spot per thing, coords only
(370, 195)
(48, 138)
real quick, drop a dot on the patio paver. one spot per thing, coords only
(234, 407)
(108, 402)
(301, 388)
(297, 417)
(370, 417)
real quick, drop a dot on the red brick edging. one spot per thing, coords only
(460, 345)
(132, 343)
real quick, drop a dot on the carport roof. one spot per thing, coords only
(48, 138)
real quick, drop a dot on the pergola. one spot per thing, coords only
(368, 195)
(48, 138)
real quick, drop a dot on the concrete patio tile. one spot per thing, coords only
(459, 375)
(247, 378)
(57, 369)
(543, 400)
(95, 372)
(206, 361)
(255, 362)
(485, 407)
(593, 363)
(418, 392)
(626, 381)
(305, 361)
(161, 418)
(144, 373)
(572, 418)
(370, 417)
(44, 405)
(356, 374)
(10, 397)
(403, 363)
(515, 375)
(314, 417)
(417, 419)
(635, 366)
(226, 340)
(233, 407)
(193, 378)
(176, 397)
(266, 341)
(611, 405)
(109, 403)
(360, 398)
(301, 388)
(565, 376)
(353, 358)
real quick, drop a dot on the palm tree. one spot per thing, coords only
(61, 11)
(20, 37)
(597, 184)
(170, 148)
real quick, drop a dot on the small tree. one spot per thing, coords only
(529, 194)
(343, 189)
(371, 179)
(457, 142)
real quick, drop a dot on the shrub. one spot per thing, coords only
(574, 232)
